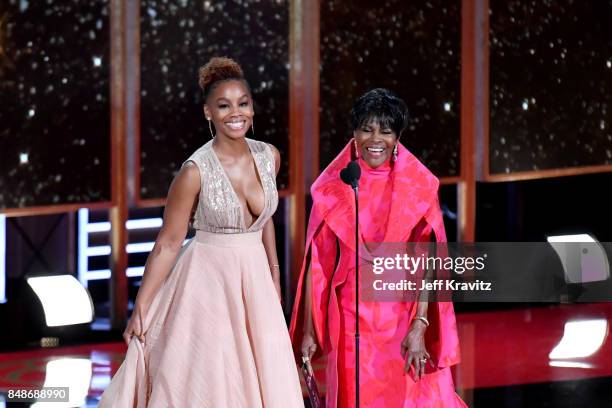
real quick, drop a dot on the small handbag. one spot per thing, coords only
(311, 384)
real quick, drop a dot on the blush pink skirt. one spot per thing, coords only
(215, 334)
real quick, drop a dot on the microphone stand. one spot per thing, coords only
(356, 190)
(350, 175)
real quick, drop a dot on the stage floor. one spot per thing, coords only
(554, 356)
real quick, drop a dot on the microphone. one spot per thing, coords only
(350, 174)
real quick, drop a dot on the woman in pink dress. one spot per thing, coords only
(207, 329)
(406, 348)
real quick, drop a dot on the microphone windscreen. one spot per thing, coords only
(354, 171)
(344, 176)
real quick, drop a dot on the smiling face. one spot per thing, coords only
(230, 107)
(375, 143)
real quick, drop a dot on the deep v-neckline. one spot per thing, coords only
(235, 194)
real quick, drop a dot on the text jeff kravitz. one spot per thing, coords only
(437, 284)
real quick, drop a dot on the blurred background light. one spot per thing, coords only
(74, 373)
(584, 259)
(64, 300)
(580, 339)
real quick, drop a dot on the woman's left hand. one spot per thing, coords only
(413, 350)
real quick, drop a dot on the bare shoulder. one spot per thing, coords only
(277, 158)
(188, 178)
(190, 170)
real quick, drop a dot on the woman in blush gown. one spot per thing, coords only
(406, 347)
(208, 328)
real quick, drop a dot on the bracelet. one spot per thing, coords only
(423, 319)
(275, 266)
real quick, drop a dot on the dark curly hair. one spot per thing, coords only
(381, 106)
(216, 71)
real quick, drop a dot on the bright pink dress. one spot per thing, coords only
(398, 203)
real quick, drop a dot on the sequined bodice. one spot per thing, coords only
(219, 209)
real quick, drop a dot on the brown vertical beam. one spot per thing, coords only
(119, 211)
(474, 111)
(132, 119)
(303, 123)
(310, 49)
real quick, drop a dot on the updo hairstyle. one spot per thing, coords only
(217, 71)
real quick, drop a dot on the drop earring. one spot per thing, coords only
(356, 149)
(210, 128)
(394, 153)
(253, 127)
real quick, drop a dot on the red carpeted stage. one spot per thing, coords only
(558, 355)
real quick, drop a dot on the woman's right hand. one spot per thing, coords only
(309, 344)
(135, 326)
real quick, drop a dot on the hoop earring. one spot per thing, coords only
(356, 149)
(253, 127)
(210, 128)
(394, 158)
